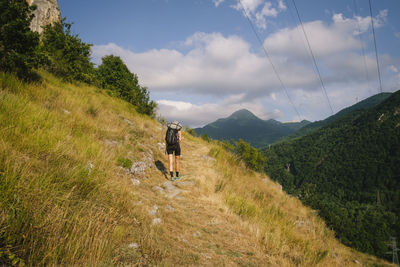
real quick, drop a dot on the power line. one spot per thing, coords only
(269, 58)
(376, 50)
(361, 43)
(313, 57)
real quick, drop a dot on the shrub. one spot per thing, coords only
(253, 158)
(67, 55)
(124, 162)
(115, 76)
(18, 44)
(205, 137)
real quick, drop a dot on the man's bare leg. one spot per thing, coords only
(177, 163)
(171, 164)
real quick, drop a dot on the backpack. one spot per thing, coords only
(171, 137)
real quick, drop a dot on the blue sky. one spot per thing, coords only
(201, 60)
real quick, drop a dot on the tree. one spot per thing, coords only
(253, 158)
(18, 44)
(67, 55)
(115, 76)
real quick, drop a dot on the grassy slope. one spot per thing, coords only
(64, 199)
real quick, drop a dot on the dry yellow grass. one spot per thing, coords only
(65, 200)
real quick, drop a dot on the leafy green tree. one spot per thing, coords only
(67, 55)
(18, 44)
(253, 158)
(115, 76)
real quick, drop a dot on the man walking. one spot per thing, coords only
(173, 138)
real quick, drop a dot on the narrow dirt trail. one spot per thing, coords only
(202, 230)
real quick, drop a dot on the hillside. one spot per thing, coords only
(83, 183)
(245, 125)
(362, 105)
(349, 170)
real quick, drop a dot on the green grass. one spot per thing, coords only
(124, 162)
(45, 158)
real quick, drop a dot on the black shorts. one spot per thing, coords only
(174, 149)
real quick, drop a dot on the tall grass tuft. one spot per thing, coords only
(59, 202)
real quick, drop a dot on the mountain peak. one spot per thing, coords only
(243, 114)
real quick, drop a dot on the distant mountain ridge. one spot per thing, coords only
(362, 105)
(244, 125)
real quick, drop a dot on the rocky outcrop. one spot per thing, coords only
(47, 12)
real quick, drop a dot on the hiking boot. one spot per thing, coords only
(177, 178)
(172, 179)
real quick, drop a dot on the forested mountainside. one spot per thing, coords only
(362, 105)
(349, 171)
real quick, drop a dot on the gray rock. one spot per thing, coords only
(170, 208)
(134, 245)
(129, 122)
(153, 210)
(158, 189)
(171, 190)
(135, 181)
(208, 158)
(185, 184)
(138, 168)
(91, 166)
(156, 221)
(110, 142)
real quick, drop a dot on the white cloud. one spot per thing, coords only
(259, 10)
(249, 5)
(324, 39)
(217, 2)
(267, 11)
(281, 5)
(225, 68)
(393, 68)
(215, 65)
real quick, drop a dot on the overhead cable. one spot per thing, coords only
(313, 58)
(269, 58)
(361, 43)
(376, 50)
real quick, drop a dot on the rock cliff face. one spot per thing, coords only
(47, 12)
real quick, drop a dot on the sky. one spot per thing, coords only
(204, 59)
